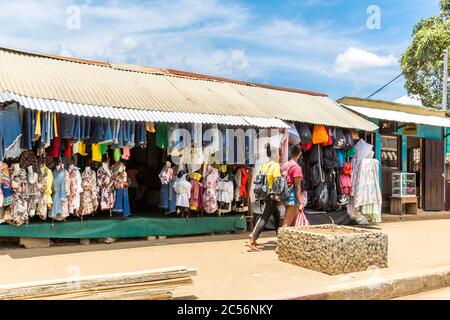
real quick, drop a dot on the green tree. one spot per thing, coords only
(423, 61)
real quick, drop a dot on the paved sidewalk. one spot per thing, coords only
(225, 269)
(441, 294)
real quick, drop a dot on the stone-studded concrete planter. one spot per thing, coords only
(333, 249)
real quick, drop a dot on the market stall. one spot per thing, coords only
(92, 149)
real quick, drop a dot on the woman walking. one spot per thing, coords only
(293, 173)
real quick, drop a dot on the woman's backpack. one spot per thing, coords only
(280, 187)
(261, 188)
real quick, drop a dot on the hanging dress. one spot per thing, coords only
(89, 199)
(121, 183)
(60, 208)
(33, 193)
(210, 193)
(6, 185)
(182, 188)
(165, 176)
(43, 205)
(105, 183)
(74, 198)
(17, 212)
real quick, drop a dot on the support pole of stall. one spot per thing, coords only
(250, 204)
(444, 81)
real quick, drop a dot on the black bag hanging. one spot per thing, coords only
(332, 192)
(315, 175)
(314, 154)
(349, 144)
(304, 132)
(338, 138)
(329, 158)
(321, 192)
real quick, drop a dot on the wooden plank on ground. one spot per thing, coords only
(146, 284)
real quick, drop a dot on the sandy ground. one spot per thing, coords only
(225, 269)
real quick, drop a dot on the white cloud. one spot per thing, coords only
(216, 37)
(409, 101)
(355, 60)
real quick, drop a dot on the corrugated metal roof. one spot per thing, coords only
(400, 116)
(389, 105)
(79, 83)
(138, 115)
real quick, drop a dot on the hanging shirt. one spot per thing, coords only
(68, 151)
(80, 148)
(126, 153)
(37, 131)
(162, 136)
(103, 149)
(55, 126)
(54, 147)
(96, 154)
(183, 191)
(117, 154)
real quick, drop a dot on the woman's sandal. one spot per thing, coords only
(252, 248)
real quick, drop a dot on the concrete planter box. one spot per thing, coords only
(333, 249)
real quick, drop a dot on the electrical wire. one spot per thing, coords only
(383, 87)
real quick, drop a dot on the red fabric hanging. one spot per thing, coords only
(68, 152)
(244, 180)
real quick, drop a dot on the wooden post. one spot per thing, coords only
(250, 204)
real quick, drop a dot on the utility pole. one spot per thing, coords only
(445, 80)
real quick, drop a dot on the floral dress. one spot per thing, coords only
(33, 194)
(210, 193)
(89, 198)
(42, 206)
(105, 182)
(5, 185)
(75, 189)
(17, 212)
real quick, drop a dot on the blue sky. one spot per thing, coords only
(319, 45)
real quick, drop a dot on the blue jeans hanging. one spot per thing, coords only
(164, 197)
(122, 204)
(10, 124)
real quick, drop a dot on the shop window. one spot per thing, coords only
(390, 152)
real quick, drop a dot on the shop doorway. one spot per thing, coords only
(415, 164)
(433, 186)
(391, 155)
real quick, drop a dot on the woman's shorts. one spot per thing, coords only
(292, 200)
